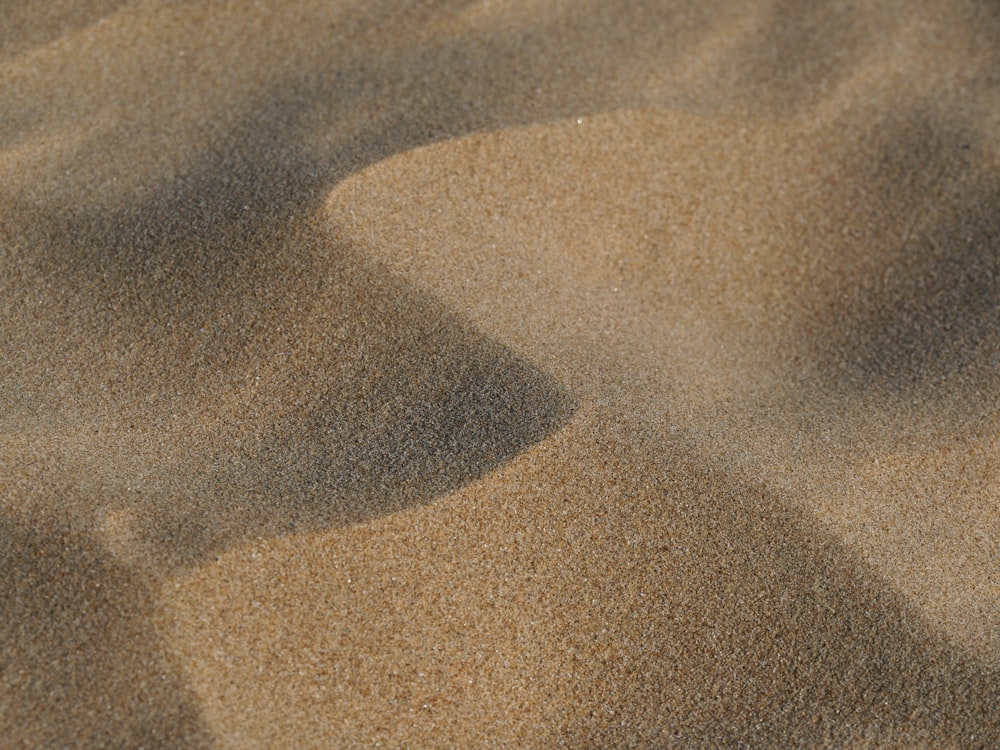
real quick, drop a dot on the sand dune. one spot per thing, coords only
(500, 374)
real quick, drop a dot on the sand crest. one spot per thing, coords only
(500, 374)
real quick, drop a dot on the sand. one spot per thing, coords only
(513, 373)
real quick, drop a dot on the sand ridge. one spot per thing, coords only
(499, 374)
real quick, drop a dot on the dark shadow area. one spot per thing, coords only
(786, 638)
(419, 408)
(80, 665)
(381, 399)
(916, 315)
(932, 313)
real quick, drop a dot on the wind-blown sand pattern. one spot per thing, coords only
(500, 374)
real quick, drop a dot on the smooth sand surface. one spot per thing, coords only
(513, 373)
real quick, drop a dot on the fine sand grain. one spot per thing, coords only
(513, 373)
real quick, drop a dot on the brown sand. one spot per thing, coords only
(512, 373)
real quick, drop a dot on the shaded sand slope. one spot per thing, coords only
(361, 397)
(499, 373)
(83, 663)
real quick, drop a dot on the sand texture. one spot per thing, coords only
(511, 373)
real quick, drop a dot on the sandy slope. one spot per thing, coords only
(500, 373)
